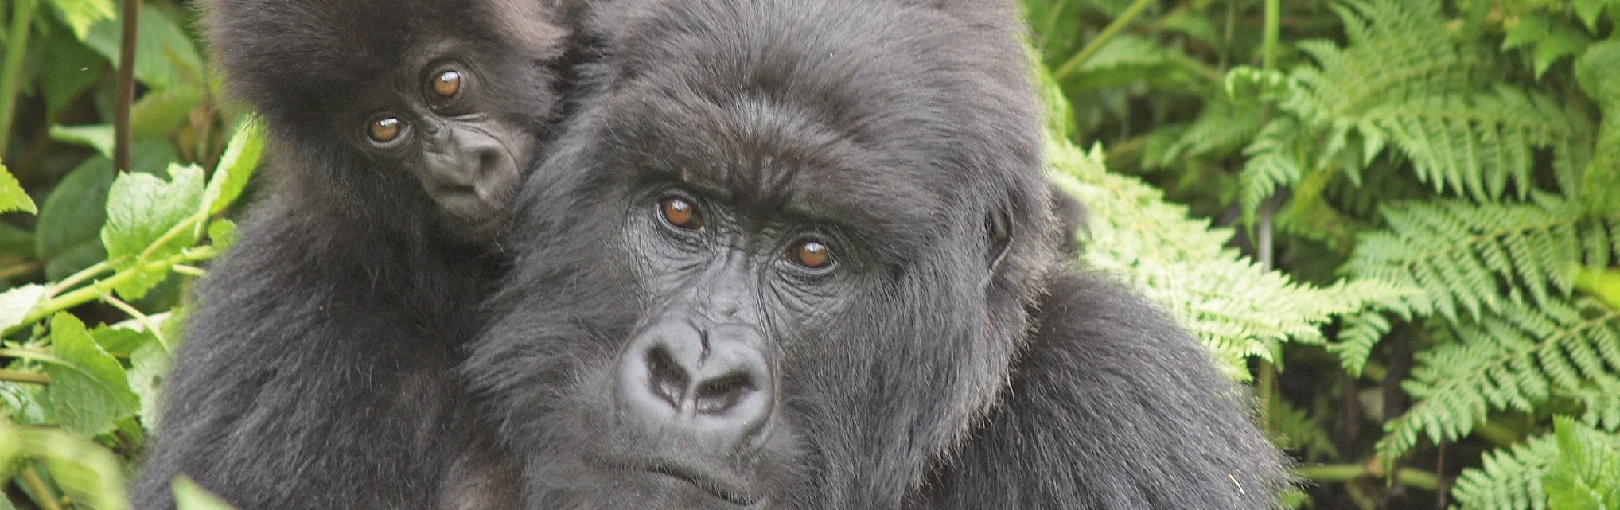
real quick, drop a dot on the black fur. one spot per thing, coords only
(1110, 406)
(951, 358)
(317, 368)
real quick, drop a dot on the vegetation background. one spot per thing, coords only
(1398, 219)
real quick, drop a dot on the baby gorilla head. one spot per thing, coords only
(409, 116)
(781, 257)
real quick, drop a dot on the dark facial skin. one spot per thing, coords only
(318, 363)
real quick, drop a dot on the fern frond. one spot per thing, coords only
(1397, 51)
(1273, 163)
(1357, 338)
(1219, 129)
(1600, 400)
(1513, 359)
(1474, 143)
(1235, 306)
(1402, 80)
(1574, 467)
(1295, 429)
(1482, 257)
(1509, 479)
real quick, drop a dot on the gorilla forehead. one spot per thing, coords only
(800, 104)
(291, 56)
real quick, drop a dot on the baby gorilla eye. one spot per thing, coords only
(384, 129)
(446, 84)
(811, 254)
(680, 213)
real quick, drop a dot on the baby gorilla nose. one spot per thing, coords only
(469, 176)
(711, 384)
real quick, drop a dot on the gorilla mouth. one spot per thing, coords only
(730, 492)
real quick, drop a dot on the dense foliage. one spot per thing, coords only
(1399, 219)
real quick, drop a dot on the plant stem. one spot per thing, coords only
(140, 318)
(94, 291)
(36, 485)
(1096, 43)
(75, 279)
(19, 376)
(1328, 473)
(22, 13)
(1268, 52)
(126, 85)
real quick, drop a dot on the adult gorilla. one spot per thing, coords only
(811, 262)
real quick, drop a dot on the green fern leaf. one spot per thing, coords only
(1514, 359)
(1403, 81)
(1509, 478)
(1296, 430)
(1238, 308)
(1481, 257)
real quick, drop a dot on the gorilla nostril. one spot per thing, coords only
(665, 377)
(717, 396)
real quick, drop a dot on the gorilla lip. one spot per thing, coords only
(730, 492)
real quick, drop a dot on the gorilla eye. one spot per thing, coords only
(385, 129)
(810, 254)
(680, 213)
(447, 83)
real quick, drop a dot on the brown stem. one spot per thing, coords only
(126, 85)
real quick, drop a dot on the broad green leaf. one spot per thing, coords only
(1528, 30)
(15, 242)
(162, 111)
(1598, 71)
(87, 471)
(190, 496)
(15, 304)
(71, 69)
(89, 390)
(12, 196)
(96, 136)
(1562, 40)
(1588, 11)
(235, 166)
(222, 233)
(123, 338)
(1586, 475)
(70, 219)
(141, 210)
(22, 404)
(164, 55)
(1056, 27)
(148, 365)
(79, 15)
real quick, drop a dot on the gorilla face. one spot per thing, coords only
(406, 115)
(437, 123)
(800, 239)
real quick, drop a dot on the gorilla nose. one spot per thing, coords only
(714, 384)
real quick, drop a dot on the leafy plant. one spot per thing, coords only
(1400, 220)
(1459, 155)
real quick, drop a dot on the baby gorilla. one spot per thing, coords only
(791, 254)
(318, 366)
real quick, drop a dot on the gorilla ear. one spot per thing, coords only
(999, 226)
